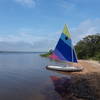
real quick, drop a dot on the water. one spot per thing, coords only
(24, 77)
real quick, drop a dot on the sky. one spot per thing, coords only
(36, 25)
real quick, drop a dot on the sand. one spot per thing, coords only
(89, 66)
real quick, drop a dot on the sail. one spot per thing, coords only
(64, 49)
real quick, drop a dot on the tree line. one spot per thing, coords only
(89, 47)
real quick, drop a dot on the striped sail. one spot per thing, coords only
(64, 49)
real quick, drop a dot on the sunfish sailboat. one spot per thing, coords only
(65, 51)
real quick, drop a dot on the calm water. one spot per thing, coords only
(24, 77)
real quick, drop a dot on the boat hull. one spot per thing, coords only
(65, 69)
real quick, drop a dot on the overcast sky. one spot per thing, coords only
(35, 25)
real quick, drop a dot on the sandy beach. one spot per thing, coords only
(89, 66)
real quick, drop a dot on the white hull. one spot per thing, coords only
(66, 69)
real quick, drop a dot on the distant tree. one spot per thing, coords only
(50, 51)
(47, 54)
(89, 47)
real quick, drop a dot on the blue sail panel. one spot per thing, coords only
(66, 39)
(65, 51)
(61, 57)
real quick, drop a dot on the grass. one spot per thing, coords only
(46, 54)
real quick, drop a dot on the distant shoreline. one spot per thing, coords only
(46, 54)
(21, 52)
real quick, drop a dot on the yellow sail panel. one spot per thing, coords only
(66, 32)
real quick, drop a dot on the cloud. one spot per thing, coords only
(66, 5)
(22, 37)
(87, 27)
(25, 41)
(28, 3)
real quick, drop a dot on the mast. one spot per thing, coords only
(71, 44)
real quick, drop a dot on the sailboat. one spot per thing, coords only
(65, 51)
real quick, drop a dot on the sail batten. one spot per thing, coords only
(64, 49)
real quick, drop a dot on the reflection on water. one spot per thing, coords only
(61, 85)
(24, 77)
(77, 88)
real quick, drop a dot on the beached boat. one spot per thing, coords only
(64, 51)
